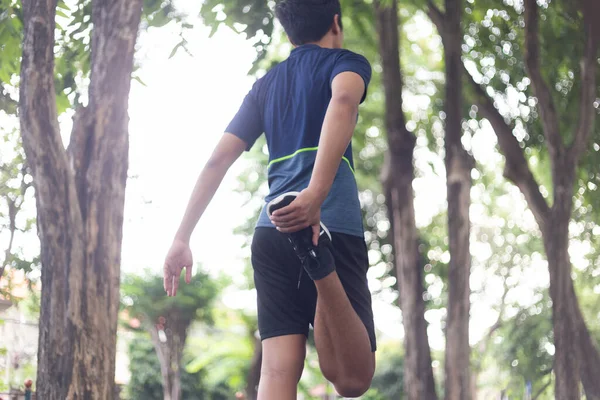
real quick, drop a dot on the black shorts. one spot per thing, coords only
(285, 309)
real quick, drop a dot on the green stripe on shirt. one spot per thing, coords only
(280, 159)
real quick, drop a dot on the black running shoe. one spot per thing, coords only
(316, 260)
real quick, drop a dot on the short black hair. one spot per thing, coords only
(307, 21)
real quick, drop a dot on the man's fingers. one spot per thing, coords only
(285, 218)
(285, 210)
(175, 285)
(293, 228)
(188, 273)
(316, 231)
(166, 278)
(294, 222)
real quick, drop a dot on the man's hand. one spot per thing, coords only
(303, 212)
(179, 257)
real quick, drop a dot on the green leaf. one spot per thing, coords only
(139, 80)
(62, 103)
(174, 51)
(63, 6)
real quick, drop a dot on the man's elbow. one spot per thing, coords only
(347, 102)
(227, 151)
(220, 161)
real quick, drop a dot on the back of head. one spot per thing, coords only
(307, 21)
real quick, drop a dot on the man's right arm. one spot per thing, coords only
(338, 126)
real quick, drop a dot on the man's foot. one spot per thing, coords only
(316, 260)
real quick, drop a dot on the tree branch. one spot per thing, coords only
(588, 84)
(516, 168)
(6, 102)
(79, 150)
(14, 206)
(484, 342)
(387, 29)
(436, 16)
(548, 113)
(12, 213)
(543, 388)
(164, 357)
(37, 107)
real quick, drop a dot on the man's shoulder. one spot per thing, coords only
(353, 56)
(340, 54)
(271, 73)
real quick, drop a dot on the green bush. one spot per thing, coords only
(145, 382)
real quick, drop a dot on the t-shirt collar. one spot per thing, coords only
(304, 47)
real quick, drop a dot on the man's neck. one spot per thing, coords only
(326, 42)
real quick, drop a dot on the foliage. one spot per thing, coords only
(15, 184)
(73, 46)
(254, 18)
(168, 319)
(225, 350)
(145, 380)
(143, 297)
(524, 346)
(389, 375)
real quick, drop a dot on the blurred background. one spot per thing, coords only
(469, 139)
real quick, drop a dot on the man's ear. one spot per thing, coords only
(335, 26)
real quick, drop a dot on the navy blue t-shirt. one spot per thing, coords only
(289, 104)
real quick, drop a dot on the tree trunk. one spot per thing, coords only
(589, 356)
(458, 183)
(255, 368)
(80, 230)
(397, 179)
(169, 343)
(588, 352)
(562, 292)
(564, 304)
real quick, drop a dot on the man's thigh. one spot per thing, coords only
(352, 262)
(284, 307)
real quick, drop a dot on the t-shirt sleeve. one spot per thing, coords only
(247, 123)
(348, 61)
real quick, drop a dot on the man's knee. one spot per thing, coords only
(354, 382)
(353, 386)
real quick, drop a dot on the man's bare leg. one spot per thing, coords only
(342, 340)
(281, 368)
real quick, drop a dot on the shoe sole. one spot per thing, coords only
(278, 200)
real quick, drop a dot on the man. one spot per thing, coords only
(306, 272)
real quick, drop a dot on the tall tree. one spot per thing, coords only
(80, 197)
(397, 177)
(168, 319)
(458, 182)
(576, 356)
